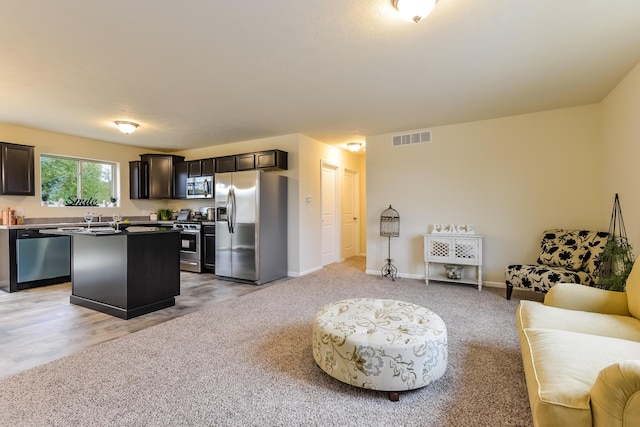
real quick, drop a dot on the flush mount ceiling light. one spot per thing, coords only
(354, 146)
(126, 127)
(414, 10)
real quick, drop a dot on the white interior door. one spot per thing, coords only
(329, 185)
(350, 209)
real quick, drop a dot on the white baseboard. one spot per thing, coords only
(303, 273)
(421, 277)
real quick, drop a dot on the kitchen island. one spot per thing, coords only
(126, 273)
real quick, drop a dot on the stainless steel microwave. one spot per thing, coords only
(200, 187)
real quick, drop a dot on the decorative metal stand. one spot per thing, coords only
(389, 227)
(617, 258)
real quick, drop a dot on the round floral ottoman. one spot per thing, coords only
(380, 344)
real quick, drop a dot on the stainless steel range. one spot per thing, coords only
(190, 246)
(190, 241)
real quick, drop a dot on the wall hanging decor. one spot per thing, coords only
(389, 227)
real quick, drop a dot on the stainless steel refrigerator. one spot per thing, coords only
(251, 226)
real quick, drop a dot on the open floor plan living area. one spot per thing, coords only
(330, 213)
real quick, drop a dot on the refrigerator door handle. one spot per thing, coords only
(229, 212)
(233, 211)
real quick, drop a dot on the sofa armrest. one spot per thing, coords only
(584, 298)
(615, 395)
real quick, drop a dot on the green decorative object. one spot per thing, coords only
(164, 214)
(617, 256)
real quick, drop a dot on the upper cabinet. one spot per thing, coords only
(204, 167)
(208, 167)
(265, 160)
(225, 164)
(164, 176)
(180, 174)
(245, 162)
(138, 180)
(16, 169)
(160, 175)
(272, 160)
(194, 168)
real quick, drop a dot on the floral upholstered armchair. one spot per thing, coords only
(567, 256)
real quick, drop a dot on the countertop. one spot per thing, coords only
(108, 231)
(81, 224)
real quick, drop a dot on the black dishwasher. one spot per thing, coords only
(40, 259)
(209, 233)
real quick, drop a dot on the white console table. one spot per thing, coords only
(462, 249)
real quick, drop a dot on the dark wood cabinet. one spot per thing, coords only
(208, 167)
(225, 164)
(161, 179)
(138, 180)
(209, 233)
(180, 173)
(272, 160)
(195, 168)
(204, 167)
(147, 277)
(16, 169)
(245, 162)
(265, 160)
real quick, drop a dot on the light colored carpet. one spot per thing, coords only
(248, 362)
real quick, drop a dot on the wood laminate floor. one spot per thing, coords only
(40, 325)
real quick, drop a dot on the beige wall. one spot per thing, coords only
(511, 177)
(620, 171)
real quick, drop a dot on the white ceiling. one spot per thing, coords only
(196, 73)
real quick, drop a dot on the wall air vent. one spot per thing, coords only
(411, 138)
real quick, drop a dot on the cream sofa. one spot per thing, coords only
(581, 355)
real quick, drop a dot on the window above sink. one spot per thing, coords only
(73, 181)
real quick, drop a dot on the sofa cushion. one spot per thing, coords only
(532, 314)
(565, 365)
(563, 256)
(541, 278)
(593, 241)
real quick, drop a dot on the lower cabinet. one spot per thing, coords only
(209, 233)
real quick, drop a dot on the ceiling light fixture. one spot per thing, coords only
(126, 126)
(354, 146)
(414, 10)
